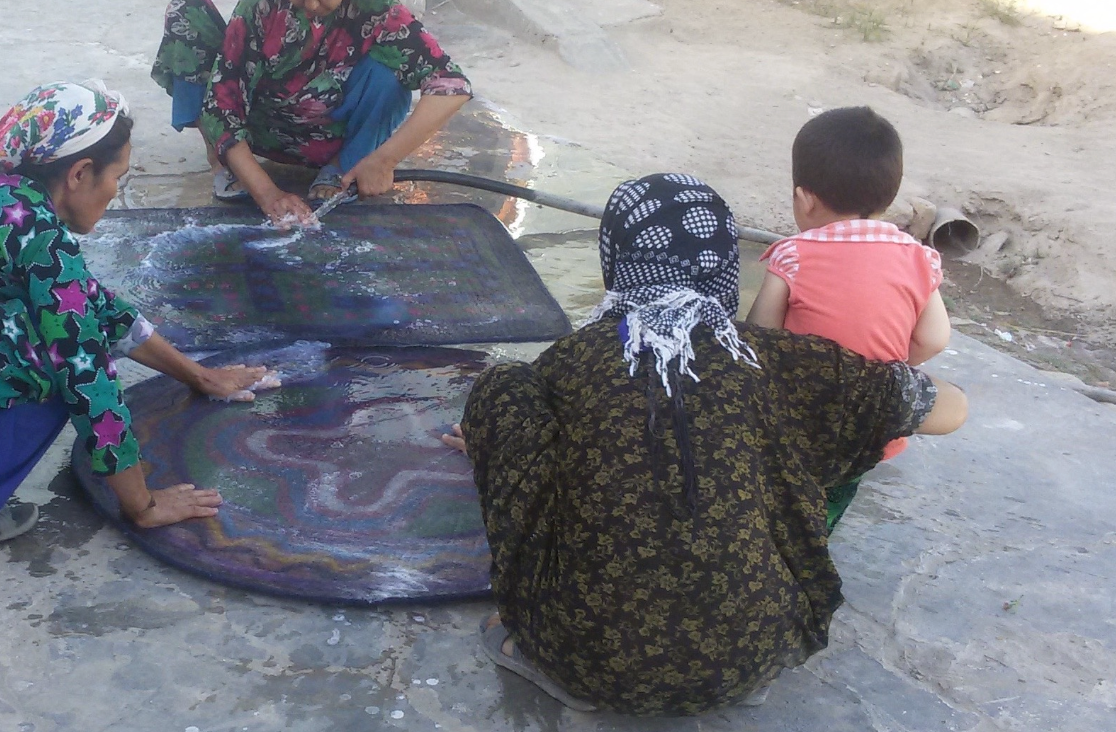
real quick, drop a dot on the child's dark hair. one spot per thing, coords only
(851, 159)
(103, 153)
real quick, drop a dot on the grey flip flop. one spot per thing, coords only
(17, 519)
(492, 641)
(223, 180)
(756, 698)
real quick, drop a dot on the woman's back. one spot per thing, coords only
(649, 605)
(652, 485)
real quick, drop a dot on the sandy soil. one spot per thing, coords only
(1006, 112)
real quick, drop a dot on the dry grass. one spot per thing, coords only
(870, 22)
(1005, 11)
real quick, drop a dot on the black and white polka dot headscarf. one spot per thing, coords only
(670, 261)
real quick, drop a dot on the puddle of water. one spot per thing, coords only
(571, 271)
(187, 190)
(483, 141)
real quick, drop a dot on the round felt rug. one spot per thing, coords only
(336, 486)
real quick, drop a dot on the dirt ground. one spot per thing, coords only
(1005, 108)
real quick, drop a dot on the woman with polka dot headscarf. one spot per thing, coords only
(653, 485)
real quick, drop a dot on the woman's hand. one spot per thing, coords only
(234, 383)
(373, 175)
(147, 508)
(456, 440)
(177, 503)
(285, 209)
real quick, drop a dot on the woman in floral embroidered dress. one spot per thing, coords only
(323, 83)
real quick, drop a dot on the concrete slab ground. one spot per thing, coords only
(574, 28)
(980, 568)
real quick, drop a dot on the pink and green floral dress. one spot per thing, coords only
(275, 74)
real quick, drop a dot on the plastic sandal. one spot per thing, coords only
(329, 175)
(492, 641)
(16, 519)
(223, 181)
(756, 698)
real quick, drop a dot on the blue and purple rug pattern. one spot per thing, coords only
(214, 278)
(337, 487)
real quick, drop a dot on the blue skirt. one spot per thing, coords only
(26, 432)
(373, 106)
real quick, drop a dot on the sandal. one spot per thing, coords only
(329, 175)
(492, 642)
(223, 186)
(756, 698)
(16, 519)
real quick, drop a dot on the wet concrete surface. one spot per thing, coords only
(978, 577)
(979, 568)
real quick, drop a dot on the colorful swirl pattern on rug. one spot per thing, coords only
(211, 278)
(337, 487)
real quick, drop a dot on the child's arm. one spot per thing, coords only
(931, 332)
(770, 307)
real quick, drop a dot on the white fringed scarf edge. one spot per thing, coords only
(677, 345)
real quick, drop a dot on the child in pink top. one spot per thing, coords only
(847, 276)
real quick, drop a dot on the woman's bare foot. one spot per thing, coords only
(456, 440)
(327, 183)
(322, 192)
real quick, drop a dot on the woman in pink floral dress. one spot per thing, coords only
(323, 83)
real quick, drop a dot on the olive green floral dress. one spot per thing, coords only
(607, 579)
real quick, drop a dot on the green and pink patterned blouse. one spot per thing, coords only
(59, 328)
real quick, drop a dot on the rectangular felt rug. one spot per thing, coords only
(209, 278)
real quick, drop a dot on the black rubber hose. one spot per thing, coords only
(542, 198)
